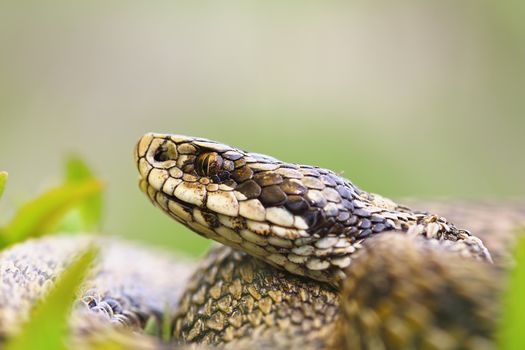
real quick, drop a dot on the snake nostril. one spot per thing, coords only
(165, 152)
(161, 155)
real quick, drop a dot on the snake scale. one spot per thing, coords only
(308, 260)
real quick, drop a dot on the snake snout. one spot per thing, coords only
(155, 151)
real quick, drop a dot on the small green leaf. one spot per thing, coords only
(152, 327)
(71, 221)
(77, 170)
(166, 325)
(109, 344)
(37, 217)
(511, 334)
(86, 215)
(47, 327)
(3, 180)
(121, 339)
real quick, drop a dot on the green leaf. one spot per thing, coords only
(91, 208)
(152, 327)
(86, 215)
(166, 325)
(77, 170)
(71, 221)
(155, 327)
(37, 217)
(109, 344)
(47, 327)
(511, 333)
(3, 180)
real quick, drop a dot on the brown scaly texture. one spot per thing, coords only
(25, 268)
(428, 297)
(310, 222)
(413, 294)
(238, 301)
(496, 222)
(235, 299)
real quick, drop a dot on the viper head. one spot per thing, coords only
(304, 219)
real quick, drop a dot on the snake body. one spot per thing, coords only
(309, 261)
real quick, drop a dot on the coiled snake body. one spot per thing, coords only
(310, 260)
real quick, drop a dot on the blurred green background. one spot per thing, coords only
(407, 98)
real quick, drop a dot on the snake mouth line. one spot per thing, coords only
(153, 194)
(236, 232)
(199, 219)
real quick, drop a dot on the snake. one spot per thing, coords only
(304, 259)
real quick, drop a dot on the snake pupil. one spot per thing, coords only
(209, 164)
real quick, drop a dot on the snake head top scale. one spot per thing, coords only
(304, 219)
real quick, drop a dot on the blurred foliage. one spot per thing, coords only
(160, 329)
(48, 324)
(109, 344)
(167, 325)
(80, 193)
(511, 331)
(87, 215)
(74, 206)
(40, 215)
(152, 327)
(3, 180)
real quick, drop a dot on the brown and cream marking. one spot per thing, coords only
(304, 219)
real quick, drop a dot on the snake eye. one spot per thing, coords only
(208, 164)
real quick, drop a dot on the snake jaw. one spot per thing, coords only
(304, 219)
